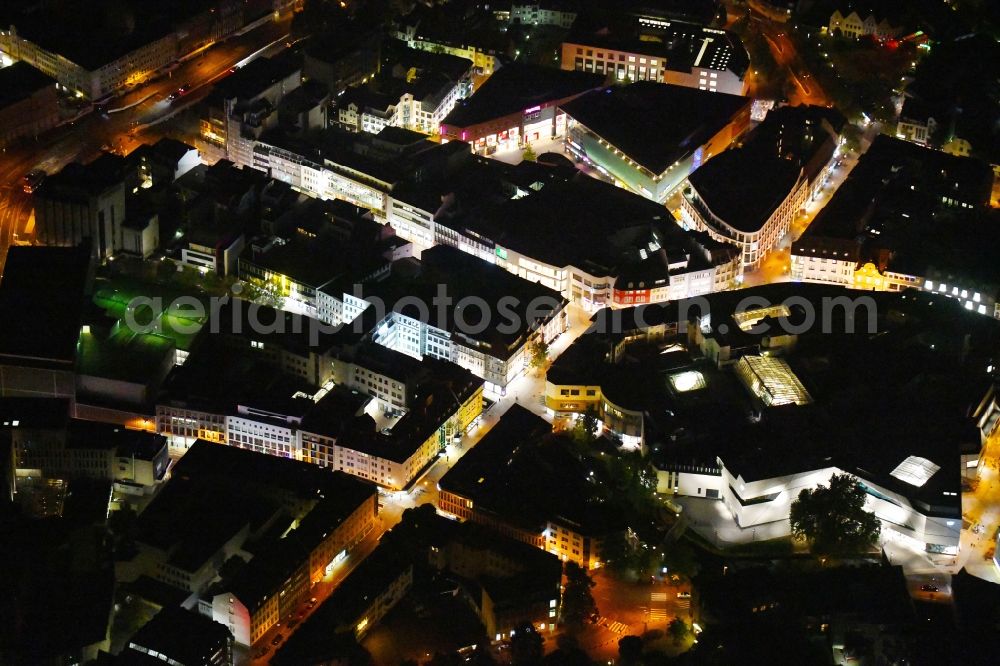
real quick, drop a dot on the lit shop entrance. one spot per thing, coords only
(500, 143)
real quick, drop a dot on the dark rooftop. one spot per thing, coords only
(895, 198)
(517, 87)
(465, 276)
(220, 378)
(77, 181)
(93, 435)
(517, 426)
(528, 208)
(257, 76)
(744, 187)
(448, 388)
(247, 468)
(684, 119)
(185, 636)
(35, 412)
(527, 476)
(43, 287)
(333, 622)
(193, 516)
(335, 411)
(113, 29)
(19, 81)
(170, 149)
(277, 560)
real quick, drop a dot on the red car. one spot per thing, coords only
(180, 92)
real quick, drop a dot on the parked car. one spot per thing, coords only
(277, 639)
(927, 587)
(683, 595)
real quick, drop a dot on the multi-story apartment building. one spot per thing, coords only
(333, 244)
(92, 73)
(126, 43)
(279, 414)
(557, 13)
(360, 170)
(471, 490)
(355, 607)
(417, 92)
(343, 57)
(916, 122)
(134, 460)
(853, 26)
(221, 503)
(702, 265)
(451, 35)
(245, 104)
(271, 587)
(871, 234)
(176, 635)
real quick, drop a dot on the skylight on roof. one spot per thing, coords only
(688, 380)
(915, 470)
(772, 380)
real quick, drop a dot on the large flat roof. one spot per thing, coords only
(744, 187)
(94, 33)
(21, 80)
(94, 435)
(517, 473)
(34, 412)
(42, 289)
(184, 635)
(516, 87)
(464, 276)
(256, 77)
(654, 124)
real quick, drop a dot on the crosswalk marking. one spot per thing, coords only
(612, 625)
(658, 614)
(658, 596)
(618, 627)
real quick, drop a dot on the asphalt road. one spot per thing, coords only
(807, 90)
(130, 123)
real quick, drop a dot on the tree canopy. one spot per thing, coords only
(539, 351)
(578, 601)
(833, 518)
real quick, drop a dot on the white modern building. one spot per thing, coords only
(710, 204)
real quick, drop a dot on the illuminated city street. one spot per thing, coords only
(120, 131)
